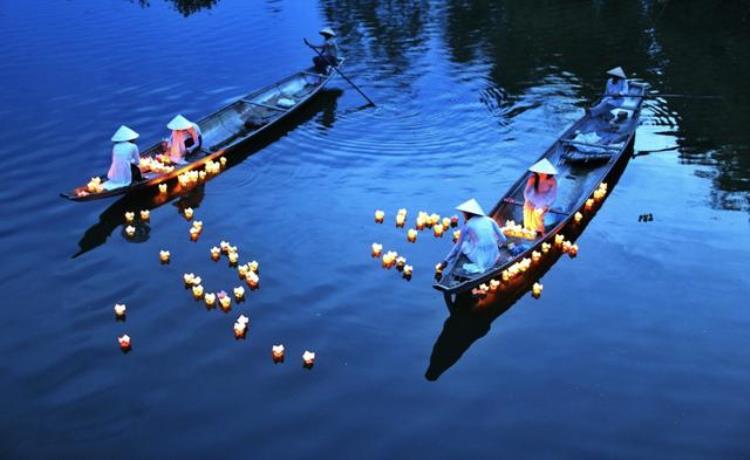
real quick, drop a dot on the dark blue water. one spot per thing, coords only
(637, 348)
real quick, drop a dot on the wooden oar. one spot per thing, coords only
(340, 73)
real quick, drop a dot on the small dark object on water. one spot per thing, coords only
(646, 217)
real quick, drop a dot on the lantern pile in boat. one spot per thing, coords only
(516, 269)
(401, 217)
(578, 217)
(156, 165)
(600, 192)
(95, 185)
(189, 178)
(494, 285)
(515, 230)
(213, 167)
(240, 326)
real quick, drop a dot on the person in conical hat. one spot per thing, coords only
(186, 138)
(616, 89)
(125, 159)
(329, 51)
(539, 194)
(478, 247)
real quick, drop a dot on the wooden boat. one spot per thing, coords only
(588, 154)
(223, 130)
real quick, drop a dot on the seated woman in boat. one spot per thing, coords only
(329, 51)
(539, 194)
(617, 88)
(185, 139)
(480, 240)
(125, 159)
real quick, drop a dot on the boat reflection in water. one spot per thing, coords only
(324, 104)
(471, 316)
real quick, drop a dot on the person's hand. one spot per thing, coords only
(444, 264)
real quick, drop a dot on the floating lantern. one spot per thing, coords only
(389, 259)
(198, 224)
(224, 246)
(242, 319)
(536, 290)
(400, 220)
(546, 247)
(439, 269)
(240, 330)
(277, 353)
(589, 204)
(239, 293)
(434, 219)
(130, 231)
(210, 299)
(120, 310)
(252, 280)
(377, 249)
(437, 229)
(573, 251)
(454, 221)
(223, 161)
(400, 262)
(233, 257)
(124, 341)
(494, 284)
(578, 217)
(566, 246)
(456, 235)
(164, 256)
(215, 253)
(411, 235)
(197, 280)
(379, 216)
(446, 222)
(242, 270)
(253, 266)
(308, 359)
(421, 222)
(188, 277)
(559, 239)
(224, 300)
(536, 256)
(129, 216)
(198, 291)
(408, 270)
(231, 249)
(145, 214)
(162, 188)
(195, 233)
(188, 213)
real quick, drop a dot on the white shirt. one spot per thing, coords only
(123, 155)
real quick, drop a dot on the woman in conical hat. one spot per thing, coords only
(479, 242)
(617, 87)
(329, 51)
(539, 194)
(185, 139)
(125, 159)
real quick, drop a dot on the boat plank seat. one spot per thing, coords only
(587, 144)
(265, 106)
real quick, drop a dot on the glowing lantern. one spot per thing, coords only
(400, 262)
(253, 266)
(494, 284)
(188, 213)
(408, 270)
(377, 249)
(124, 341)
(566, 246)
(162, 188)
(573, 251)
(454, 221)
(215, 253)
(195, 233)
(120, 311)
(438, 230)
(188, 277)
(253, 280)
(242, 270)
(233, 257)
(484, 288)
(239, 293)
(197, 280)
(130, 231)
(536, 256)
(400, 220)
(240, 330)
(198, 224)
(145, 214)
(505, 276)
(456, 235)
(559, 239)
(202, 175)
(546, 247)
(389, 259)
(224, 247)
(223, 161)
(242, 319)
(224, 300)
(308, 358)
(439, 269)
(129, 216)
(164, 256)
(589, 204)
(536, 290)
(198, 291)
(411, 235)
(210, 299)
(277, 353)
(578, 217)
(434, 219)
(379, 216)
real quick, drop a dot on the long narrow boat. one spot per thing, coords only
(587, 155)
(223, 130)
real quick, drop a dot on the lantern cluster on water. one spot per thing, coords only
(512, 229)
(401, 218)
(240, 327)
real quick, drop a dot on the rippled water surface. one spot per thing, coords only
(638, 348)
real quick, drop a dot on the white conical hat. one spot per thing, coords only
(472, 207)
(124, 134)
(179, 122)
(543, 166)
(617, 72)
(327, 31)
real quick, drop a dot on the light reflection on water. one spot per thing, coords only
(633, 349)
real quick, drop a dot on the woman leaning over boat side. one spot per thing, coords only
(186, 138)
(480, 240)
(539, 194)
(125, 159)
